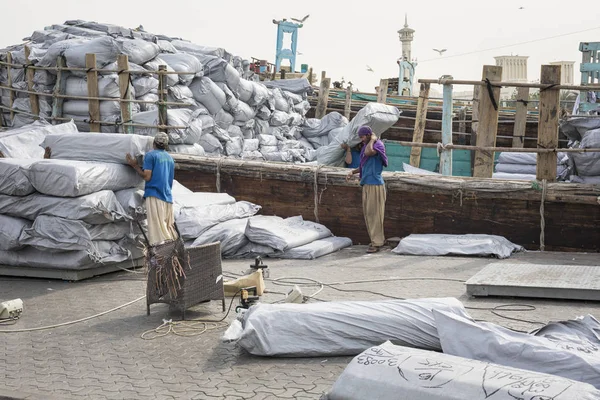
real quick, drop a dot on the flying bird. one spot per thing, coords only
(521, 8)
(440, 51)
(301, 21)
(370, 69)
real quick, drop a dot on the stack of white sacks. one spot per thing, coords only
(522, 166)
(584, 133)
(222, 113)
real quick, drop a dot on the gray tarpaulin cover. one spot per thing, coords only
(201, 199)
(526, 158)
(13, 177)
(100, 252)
(441, 245)
(568, 356)
(526, 169)
(282, 234)
(10, 232)
(53, 233)
(342, 328)
(96, 208)
(193, 221)
(85, 146)
(69, 178)
(298, 86)
(396, 372)
(25, 142)
(132, 201)
(316, 249)
(230, 233)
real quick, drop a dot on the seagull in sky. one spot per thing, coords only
(521, 8)
(440, 51)
(301, 21)
(370, 69)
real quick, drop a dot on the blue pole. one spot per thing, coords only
(446, 155)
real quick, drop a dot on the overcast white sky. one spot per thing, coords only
(342, 37)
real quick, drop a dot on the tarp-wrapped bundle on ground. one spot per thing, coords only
(460, 245)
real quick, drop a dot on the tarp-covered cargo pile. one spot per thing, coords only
(224, 111)
(584, 133)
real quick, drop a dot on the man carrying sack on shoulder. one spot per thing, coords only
(158, 171)
(372, 161)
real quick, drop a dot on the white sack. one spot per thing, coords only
(302, 108)
(106, 49)
(138, 51)
(13, 177)
(96, 208)
(245, 90)
(193, 221)
(314, 127)
(108, 86)
(199, 199)
(251, 145)
(144, 85)
(591, 139)
(568, 358)
(342, 328)
(279, 118)
(282, 234)
(181, 117)
(231, 102)
(223, 119)
(470, 244)
(210, 143)
(108, 148)
(395, 372)
(525, 158)
(25, 142)
(132, 201)
(267, 140)
(518, 177)
(251, 155)
(525, 169)
(252, 250)
(230, 233)
(234, 147)
(316, 249)
(207, 93)
(260, 94)
(11, 229)
(181, 62)
(172, 79)
(243, 112)
(189, 149)
(586, 164)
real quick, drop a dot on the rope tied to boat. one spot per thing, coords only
(316, 190)
(542, 219)
(218, 173)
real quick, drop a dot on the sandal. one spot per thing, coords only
(373, 249)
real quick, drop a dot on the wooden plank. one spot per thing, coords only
(323, 96)
(420, 122)
(446, 155)
(348, 102)
(125, 91)
(462, 125)
(548, 125)
(520, 117)
(310, 76)
(162, 96)
(59, 89)
(33, 98)
(92, 87)
(382, 91)
(488, 122)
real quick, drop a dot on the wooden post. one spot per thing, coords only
(11, 93)
(323, 96)
(33, 98)
(348, 103)
(162, 96)
(462, 125)
(382, 92)
(520, 117)
(125, 91)
(548, 123)
(488, 122)
(446, 155)
(420, 122)
(92, 86)
(310, 76)
(59, 89)
(474, 123)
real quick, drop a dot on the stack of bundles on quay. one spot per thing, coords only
(522, 166)
(583, 133)
(223, 110)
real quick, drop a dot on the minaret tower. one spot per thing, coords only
(406, 63)
(406, 35)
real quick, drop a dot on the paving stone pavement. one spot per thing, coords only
(105, 357)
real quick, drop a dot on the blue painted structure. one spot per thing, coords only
(281, 54)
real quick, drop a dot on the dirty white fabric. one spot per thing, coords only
(470, 244)
(13, 176)
(518, 177)
(282, 234)
(341, 328)
(200, 199)
(193, 221)
(132, 201)
(24, 142)
(568, 356)
(230, 233)
(316, 249)
(252, 250)
(68, 178)
(395, 372)
(208, 93)
(161, 222)
(10, 232)
(192, 150)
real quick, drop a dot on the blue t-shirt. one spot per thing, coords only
(371, 171)
(355, 159)
(163, 170)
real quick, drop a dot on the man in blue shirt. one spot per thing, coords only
(158, 172)
(352, 158)
(372, 161)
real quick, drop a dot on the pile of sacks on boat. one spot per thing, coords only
(81, 205)
(222, 111)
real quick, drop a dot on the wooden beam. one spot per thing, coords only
(348, 102)
(59, 89)
(310, 76)
(488, 122)
(125, 91)
(92, 86)
(420, 122)
(323, 96)
(446, 154)
(33, 98)
(548, 125)
(382, 92)
(11, 94)
(462, 125)
(474, 123)
(520, 117)
(162, 96)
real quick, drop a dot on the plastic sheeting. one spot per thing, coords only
(209, 94)
(25, 142)
(85, 146)
(96, 208)
(518, 177)
(106, 49)
(132, 201)
(182, 117)
(395, 372)
(108, 86)
(297, 86)
(316, 249)
(181, 62)
(200, 199)
(314, 127)
(10, 232)
(13, 177)
(342, 328)
(192, 150)
(68, 178)
(526, 158)
(194, 221)
(526, 169)
(282, 234)
(565, 356)
(466, 245)
(230, 233)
